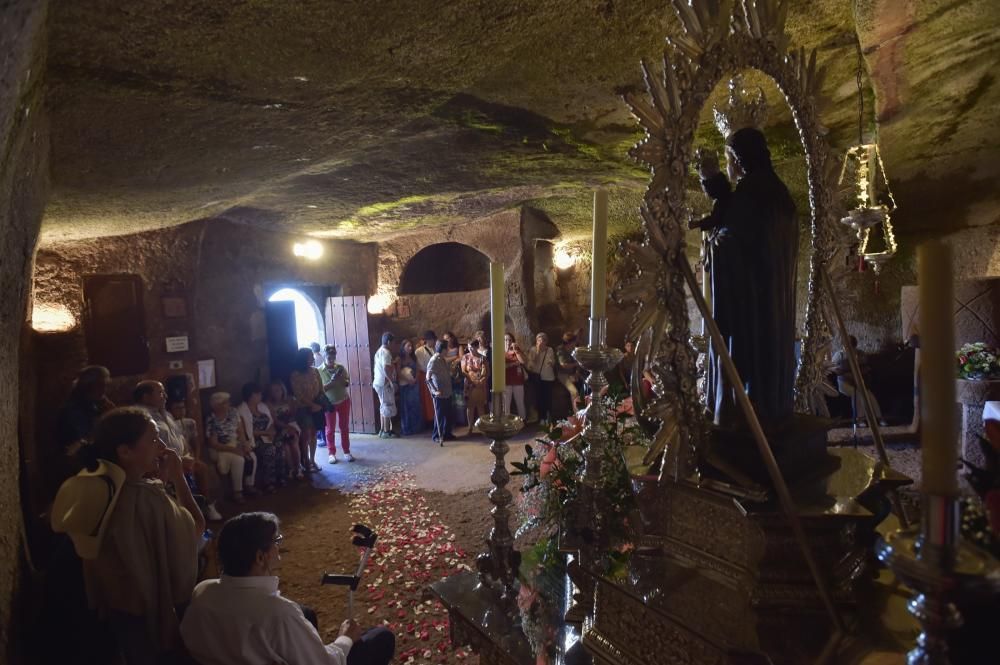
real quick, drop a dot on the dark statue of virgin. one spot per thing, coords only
(753, 247)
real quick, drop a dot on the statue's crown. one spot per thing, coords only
(743, 108)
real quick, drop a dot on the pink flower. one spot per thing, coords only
(573, 426)
(550, 460)
(626, 407)
(526, 597)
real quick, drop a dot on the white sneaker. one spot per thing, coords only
(212, 513)
(333, 459)
(349, 457)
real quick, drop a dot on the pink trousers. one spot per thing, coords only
(343, 412)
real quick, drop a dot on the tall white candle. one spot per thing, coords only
(599, 269)
(939, 431)
(498, 302)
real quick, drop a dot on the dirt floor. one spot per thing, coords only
(423, 536)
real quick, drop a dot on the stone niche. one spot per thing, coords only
(439, 278)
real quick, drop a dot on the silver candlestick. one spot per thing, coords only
(942, 570)
(498, 565)
(586, 533)
(597, 358)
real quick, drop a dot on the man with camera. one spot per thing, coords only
(243, 618)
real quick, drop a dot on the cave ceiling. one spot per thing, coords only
(364, 119)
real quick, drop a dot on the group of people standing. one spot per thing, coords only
(443, 383)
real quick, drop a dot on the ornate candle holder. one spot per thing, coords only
(942, 570)
(597, 358)
(498, 565)
(587, 534)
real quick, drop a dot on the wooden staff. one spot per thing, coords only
(784, 496)
(860, 387)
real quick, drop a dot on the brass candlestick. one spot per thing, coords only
(942, 570)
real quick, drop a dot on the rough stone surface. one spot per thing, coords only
(23, 185)
(221, 269)
(349, 120)
(355, 120)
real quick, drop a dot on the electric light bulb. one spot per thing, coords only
(52, 317)
(563, 259)
(379, 302)
(310, 249)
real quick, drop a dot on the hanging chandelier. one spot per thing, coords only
(875, 204)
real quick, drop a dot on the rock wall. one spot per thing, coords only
(236, 267)
(23, 188)
(876, 308)
(500, 238)
(219, 270)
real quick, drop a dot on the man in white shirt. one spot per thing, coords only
(440, 386)
(424, 352)
(384, 383)
(151, 396)
(243, 618)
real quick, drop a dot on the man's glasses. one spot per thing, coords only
(278, 539)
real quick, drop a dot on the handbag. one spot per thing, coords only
(324, 402)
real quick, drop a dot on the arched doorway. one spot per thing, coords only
(308, 319)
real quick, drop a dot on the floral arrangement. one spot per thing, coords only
(978, 361)
(552, 471)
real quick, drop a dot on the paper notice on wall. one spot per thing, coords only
(206, 374)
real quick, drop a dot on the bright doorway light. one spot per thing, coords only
(308, 322)
(564, 259)
(310, 249)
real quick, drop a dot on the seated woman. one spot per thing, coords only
(287, 431)
(204, 476)
(258, 426)
(229, 447)
(139, 545)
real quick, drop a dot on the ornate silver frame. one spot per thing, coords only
(721, 38)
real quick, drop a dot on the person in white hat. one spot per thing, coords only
(139, 546)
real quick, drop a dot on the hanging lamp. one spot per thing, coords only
(863, 168)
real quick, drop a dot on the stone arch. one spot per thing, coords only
(719, 41)
(446, 267)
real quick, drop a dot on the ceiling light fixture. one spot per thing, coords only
(310, 249)
(564, 259)
(51, 318)
(875, 202)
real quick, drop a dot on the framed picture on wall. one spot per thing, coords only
(206, 373)
(403, 308)
(174, 307)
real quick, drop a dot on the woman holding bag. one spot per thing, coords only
(335, 382)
